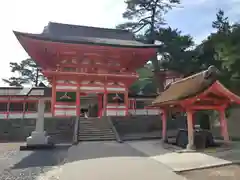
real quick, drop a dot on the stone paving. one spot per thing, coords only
(95, 160)
(231, 172)
(175, 160)
(108, 161)
(27, 165)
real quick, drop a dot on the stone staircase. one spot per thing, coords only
(95, 129)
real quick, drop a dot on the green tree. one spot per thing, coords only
(221, 23)
(27, 72)
(146, 17)
(221, 49)
(177, 51)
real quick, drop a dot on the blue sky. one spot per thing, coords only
(196, 16)
(31, 16)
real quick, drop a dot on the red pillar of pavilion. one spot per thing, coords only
(164, 125)
(126, 102)
(105, 101)
(78, 105)
(223, 124)
(201, 91)
(190, 113)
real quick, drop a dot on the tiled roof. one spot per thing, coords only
(65, 33)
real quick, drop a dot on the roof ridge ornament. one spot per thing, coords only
(211, 72)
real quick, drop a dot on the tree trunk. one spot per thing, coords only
(157, 74)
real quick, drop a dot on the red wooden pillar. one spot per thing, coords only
(53, 100)
(100, 105)
(105, 99)
(223, 124)
(8, 107)
(164, 125)
(190, 129)
(126, 102)
(78, 105)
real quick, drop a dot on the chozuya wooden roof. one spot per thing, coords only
(200, 85)
(74, 34)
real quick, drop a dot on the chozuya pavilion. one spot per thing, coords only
(84, 65)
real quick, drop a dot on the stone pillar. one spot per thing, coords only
(164, 125)
(223, 124)
(38, 137)
(190, 145)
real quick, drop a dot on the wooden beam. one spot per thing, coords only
(205, 107)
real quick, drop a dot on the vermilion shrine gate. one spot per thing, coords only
(86, 60)
(201, 91)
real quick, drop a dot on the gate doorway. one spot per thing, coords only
(89, 105)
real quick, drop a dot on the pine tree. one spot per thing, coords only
(146, 17)
(27, 72)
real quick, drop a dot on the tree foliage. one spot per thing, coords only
(220, 49)
(25, 72)
(177, 51)
(146, 17)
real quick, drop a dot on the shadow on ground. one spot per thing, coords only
(42, 158)
(94, 150)
(229, 153)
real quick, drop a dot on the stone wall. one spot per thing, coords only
(145, 124)
(61, 129)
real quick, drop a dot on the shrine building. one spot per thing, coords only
(86, 66)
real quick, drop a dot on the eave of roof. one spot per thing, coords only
(87, 41)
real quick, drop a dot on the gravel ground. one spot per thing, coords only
(231, 172)
(28, 165)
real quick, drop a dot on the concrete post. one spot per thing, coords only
(40, 116)
(38, 137)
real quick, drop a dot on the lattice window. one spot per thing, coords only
(31, 106)
(140, 104)
(69, 69)
(47, 106)
(16, 106)
(3, 107)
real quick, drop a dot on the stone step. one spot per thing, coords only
(95, 132)
(91, 123)
(95, 125)
(96, 138)
(95, 129)
(86, 126)
(96, 135)
(99, 134)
